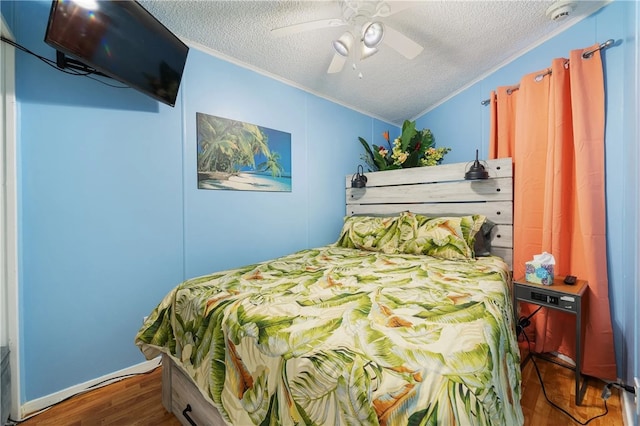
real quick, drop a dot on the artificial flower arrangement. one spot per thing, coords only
(413, 148)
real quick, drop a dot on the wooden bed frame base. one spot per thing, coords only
(182, 397)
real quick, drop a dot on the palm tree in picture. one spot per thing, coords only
(272, 164)
(226, 146)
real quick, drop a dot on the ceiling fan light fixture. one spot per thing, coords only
(343, 44)
(373, 34)
(367, 52)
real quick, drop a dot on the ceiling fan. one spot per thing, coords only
(364, 34)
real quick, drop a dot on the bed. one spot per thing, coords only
(402, 321)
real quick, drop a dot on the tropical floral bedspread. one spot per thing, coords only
(338, 336)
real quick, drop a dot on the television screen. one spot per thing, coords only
(122, 40)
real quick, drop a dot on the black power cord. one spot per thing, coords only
(524, 322)
(622, 386)
(88, 73)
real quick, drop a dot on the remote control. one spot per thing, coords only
(570, 280)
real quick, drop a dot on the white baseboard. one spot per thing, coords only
(565, 358)
(628, 409)
(40, 404)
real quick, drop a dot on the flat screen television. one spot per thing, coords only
(119, 39)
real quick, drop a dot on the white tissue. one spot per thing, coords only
(544, 258)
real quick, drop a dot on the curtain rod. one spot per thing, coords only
(585, 55)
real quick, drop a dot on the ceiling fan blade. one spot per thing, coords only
(307, 26)
(337, 63)
(385, 9)
(400, 42)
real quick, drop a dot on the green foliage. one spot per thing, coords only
(413, 148)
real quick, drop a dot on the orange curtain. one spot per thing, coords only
(502, 104)
(554, 131)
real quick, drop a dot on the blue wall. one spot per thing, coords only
(617, 21)
(110, 217)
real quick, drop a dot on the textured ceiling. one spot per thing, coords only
(462, 40)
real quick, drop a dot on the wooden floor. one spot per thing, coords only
(559, 384)
(133, 401)
(137, 401)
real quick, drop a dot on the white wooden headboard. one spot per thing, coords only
(442, 189)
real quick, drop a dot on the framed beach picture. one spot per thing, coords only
(240, 156)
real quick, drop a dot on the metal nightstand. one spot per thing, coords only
(562, 297)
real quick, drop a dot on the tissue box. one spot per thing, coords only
(539, 273)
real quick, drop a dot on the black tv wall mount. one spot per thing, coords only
(63, 61)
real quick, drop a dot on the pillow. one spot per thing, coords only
(481, 241)
(373, 233)
(445, 237)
